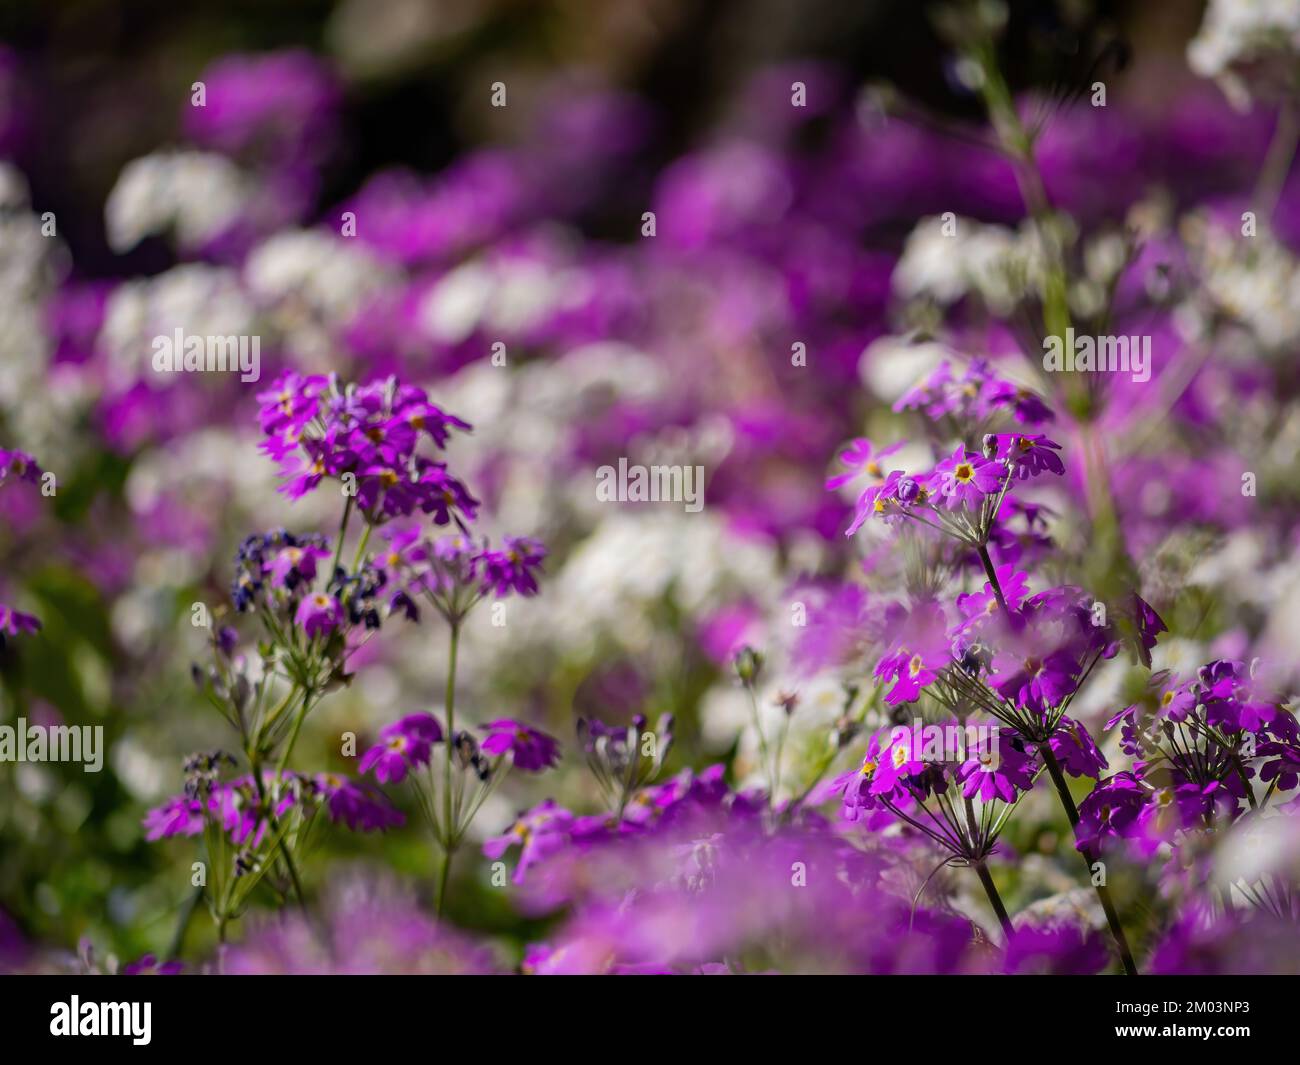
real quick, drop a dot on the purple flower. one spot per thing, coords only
(965, 479)
(178, 816)
(533, 750)
(886, 500)
(861, 458)
(20, 466)
(278, 109)
(1028, 456)
(365, 926)
(1283, 765)
(1064, 950)
(404, 745)
(1033, 674)
(358, 807)
(998, 769)
(979, 607)
(1111, 810)
(148, 966)
(918, 647)
(1076, 750)
(539, 833)
(513, 568)
(319, 614)
(293, 566)
(16, 623)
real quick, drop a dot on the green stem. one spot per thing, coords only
(449, 830)
(293, 736)
(443, 878)
(343, 532)
(1089, 860)
(993, 580)
(361, 547)
(283, 846)
(995, 900)
(187, 912)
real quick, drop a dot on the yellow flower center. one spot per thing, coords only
(964, 471)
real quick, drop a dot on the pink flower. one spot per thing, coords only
(319, 614)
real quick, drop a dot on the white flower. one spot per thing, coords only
(195, 195)
(1258, 40)
(947, 263)
(508, 295)
(330, 275)
(1254, 282)
(201, 300)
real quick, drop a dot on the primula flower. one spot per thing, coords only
(1028, 456)
(539, 833)
(965, 479)
(899, 762)
(532, 749)
(513, 568)
(885, 501)
(1061, 950)
(1111, 810)
(148, 965)
(918, 650)
(403, 746)
(861, 458)
(20, 466)
(16, 623)
(319, 614)
(857, 786)
(979, 607)
(1076, 750)
(361, 809)
(1283, 765)
(998, 769)
(294, 566)
(178, 816)
(319, 428)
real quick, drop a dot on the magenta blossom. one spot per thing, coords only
(533, 750)
(965, 479)
(998, 769)
(293, 566)
(860, 458)
(16, 623)
(319, 614)
(513, 568)
(403, 746)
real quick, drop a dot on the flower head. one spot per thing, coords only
(531, 749)
(403, 746)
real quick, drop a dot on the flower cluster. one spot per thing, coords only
(1201, 748)
(366, 437)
